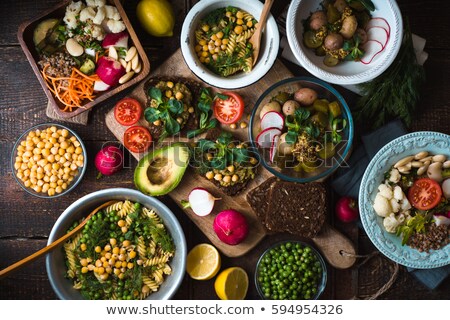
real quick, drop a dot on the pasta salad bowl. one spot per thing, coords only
(134, 248)
(215, 42)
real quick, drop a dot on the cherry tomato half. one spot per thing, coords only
(425, 194)
(229, 110)
(137, 139)
(127, 111)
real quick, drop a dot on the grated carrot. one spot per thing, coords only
(71, 91)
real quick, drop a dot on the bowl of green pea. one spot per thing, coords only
(290, 270)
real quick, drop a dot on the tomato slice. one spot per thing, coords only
(127, 111)
(425, 194)
(229, 110)
(137, 139)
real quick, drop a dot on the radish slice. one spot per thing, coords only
(379, 22)
(274, 147)
(272, 119)
(371, 48)
(201, 201)
(99, 85)
(265, 137)
(379, 34)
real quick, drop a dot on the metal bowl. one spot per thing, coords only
(71, 185)
(55, 262)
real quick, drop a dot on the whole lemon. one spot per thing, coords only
(156, 17)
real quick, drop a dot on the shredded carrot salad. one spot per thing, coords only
(71, 91)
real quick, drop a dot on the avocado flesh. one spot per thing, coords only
(160, 171)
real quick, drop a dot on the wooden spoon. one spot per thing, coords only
(255, 39)
(53, 245)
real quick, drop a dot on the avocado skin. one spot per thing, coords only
(141, 179)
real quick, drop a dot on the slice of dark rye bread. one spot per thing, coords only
(259, 201)
(194, 86)
(282, 206)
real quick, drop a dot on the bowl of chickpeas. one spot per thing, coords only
(291, 270)
(215, 42)
(48, 160)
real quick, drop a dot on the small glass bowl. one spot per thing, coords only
(324, 91)
(321, 284)
(72, 184)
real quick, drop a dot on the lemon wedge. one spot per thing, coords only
(156, 17)
(232, 284)
(203, 262)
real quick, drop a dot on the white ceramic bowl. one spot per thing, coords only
(55, 263)
(348, 72)
(270, 43)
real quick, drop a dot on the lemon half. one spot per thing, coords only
(203, 262)
(232, 284)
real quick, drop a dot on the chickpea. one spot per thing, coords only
(227, 179)
(238, 29)
(209, 175)
(235, 178)
(218, 177)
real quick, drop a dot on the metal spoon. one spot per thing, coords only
(34, 256)
(255, 39)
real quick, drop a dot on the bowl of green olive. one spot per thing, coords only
(290, 270)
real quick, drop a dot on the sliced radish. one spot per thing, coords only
(274, 147)
(116, 40)
(379, 22)
(265, 137)
(378, 33)
(201, 201)
(371, 48)
(99, 85)
(272, 119)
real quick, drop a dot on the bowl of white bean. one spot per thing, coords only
(48, 160)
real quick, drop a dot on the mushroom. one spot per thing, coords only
(435, 171)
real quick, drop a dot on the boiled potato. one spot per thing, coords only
(289, 107)
(349, 26)
(271, 106)
(305, 96)
(318, 19)
(284, 148)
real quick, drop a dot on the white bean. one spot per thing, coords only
(403, 161)
(446, 164)
(439, 158)
(74, 48)
(435, 171)
(421, 155)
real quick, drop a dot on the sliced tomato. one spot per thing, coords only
(229, 110)
(127, 111)
(425, 194)
(137, 139)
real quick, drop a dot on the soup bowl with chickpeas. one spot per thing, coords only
(215, 42)
(48, 160)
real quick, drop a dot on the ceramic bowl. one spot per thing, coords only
(55, 261)
(269, 44)
(311, 293)
(16, 155)
(347, 72)
(389, 243)
(328, 166)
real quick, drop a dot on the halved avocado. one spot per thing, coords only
(160, 171)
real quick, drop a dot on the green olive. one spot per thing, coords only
(327, 151)
(311, 41)
(333, 14)
(335, 109)
(320, 51)
(282, 97)
(330, 61)
(321, 105)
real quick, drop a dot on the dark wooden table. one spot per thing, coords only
(26, 221)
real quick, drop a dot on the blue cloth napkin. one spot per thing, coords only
(348, 178)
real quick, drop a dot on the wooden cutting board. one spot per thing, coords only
(176, 67)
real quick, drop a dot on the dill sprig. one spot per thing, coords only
(394, 93)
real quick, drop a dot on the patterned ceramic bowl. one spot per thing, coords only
(389, 243)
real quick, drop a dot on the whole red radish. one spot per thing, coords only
(347, 209)
(231, 227)
(108, 161)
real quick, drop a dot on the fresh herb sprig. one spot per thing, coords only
(368, 4)
(298, 123)
(204, 112)
(393, 94)
(164, 110)
(414, 225)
